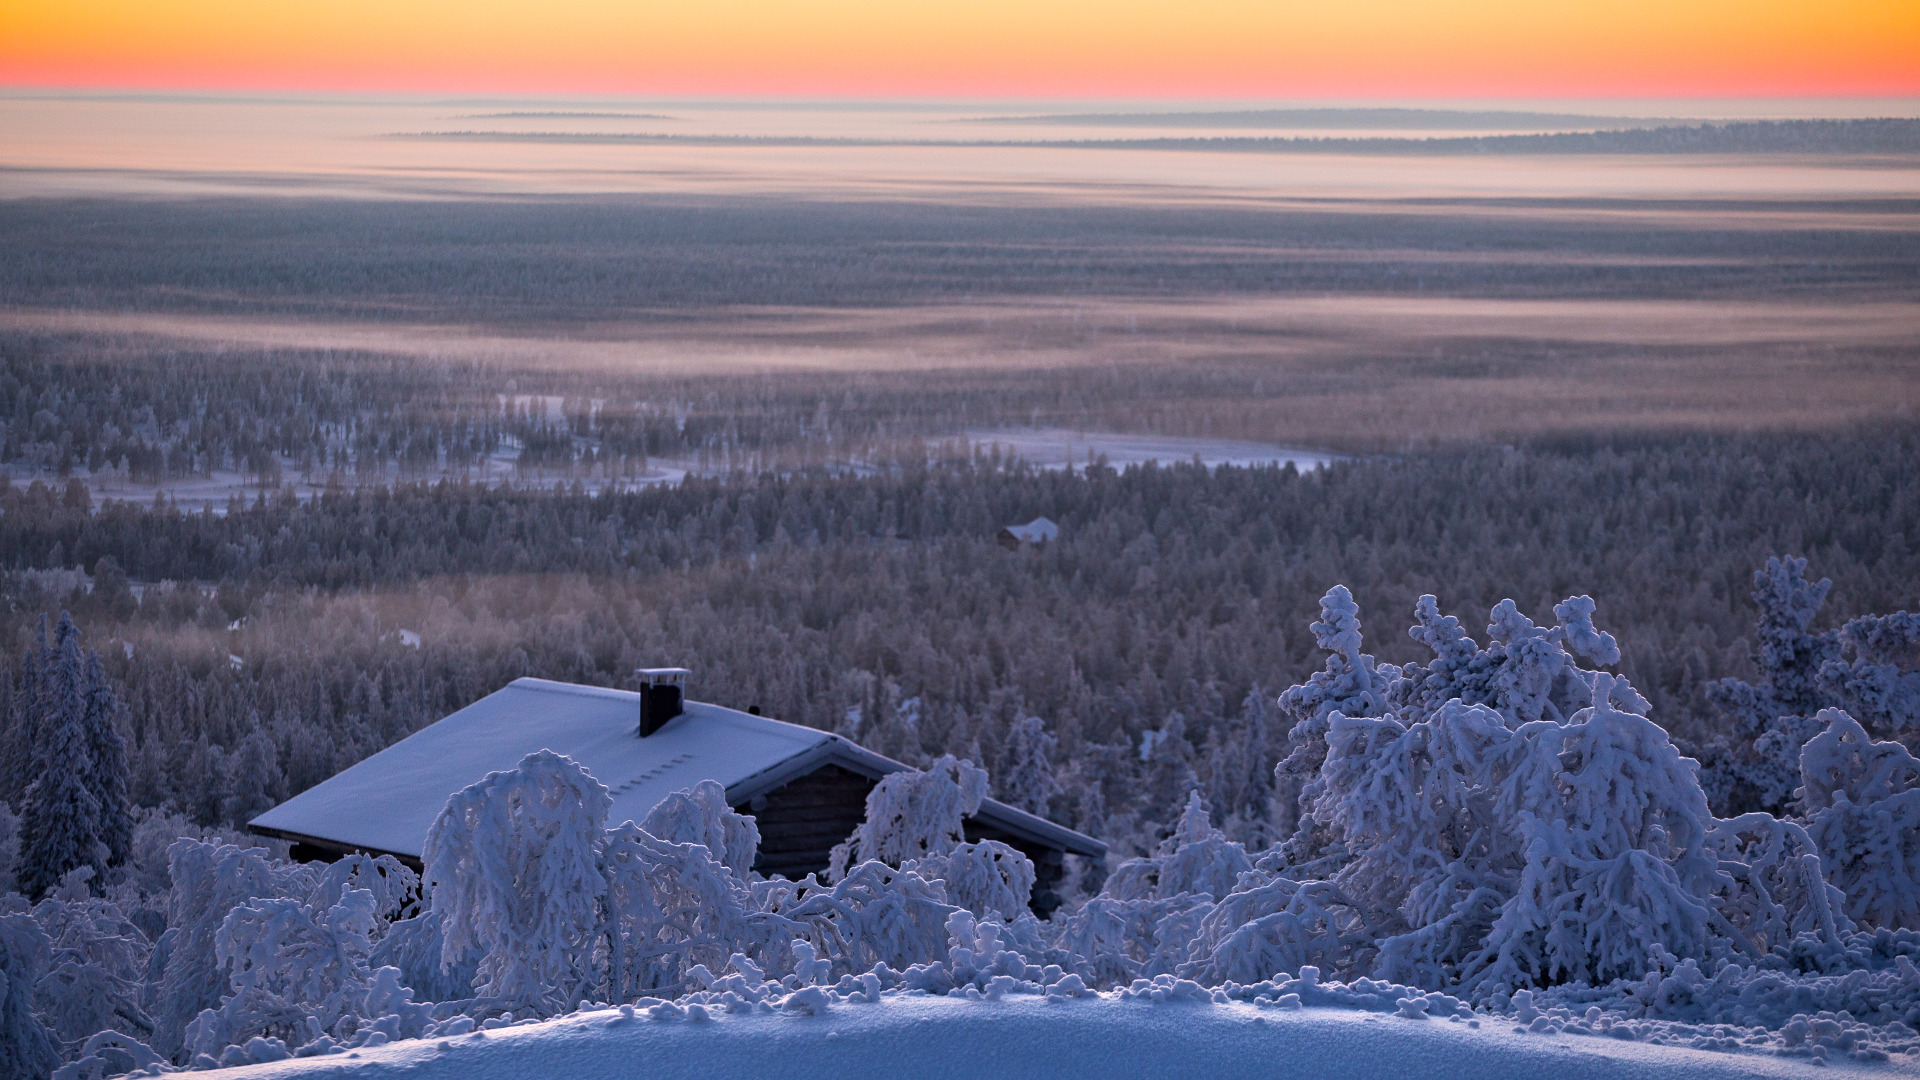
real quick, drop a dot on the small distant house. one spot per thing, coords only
(807, 789)
(1037, 531)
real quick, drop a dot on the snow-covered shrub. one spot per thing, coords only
(984, 951)
(1113, 941)
(513, 864)
(913, 814)
(1147, 919)
(1863, 804)
(987, 877)
(702, 816)
(97, 964)
(1867, 667)
(874, 914)
(1499, 817)
(1874, 678)
(1781, 899)
(110, 1053)
(673, 906)
(1198, 858)
(297, 971)
(1273, 925)
(208, 882)
(27, 1050)
(416, 949)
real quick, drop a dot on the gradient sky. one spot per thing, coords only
(1369, 49)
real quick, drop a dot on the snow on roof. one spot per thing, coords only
(386, 802)
(1036, 531)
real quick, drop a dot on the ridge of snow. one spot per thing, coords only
(1029, 1037)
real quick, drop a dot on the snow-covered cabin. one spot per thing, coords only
(806, 788)
(1037, 531)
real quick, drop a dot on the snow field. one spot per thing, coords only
(1030, 1037)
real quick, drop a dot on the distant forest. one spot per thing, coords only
(283, 640)
(1875, 136)
(576, 262)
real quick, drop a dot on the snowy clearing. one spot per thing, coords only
(1032, 1037)
(1058, 447)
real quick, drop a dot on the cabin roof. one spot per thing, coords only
(386, 802)
(1037, 531)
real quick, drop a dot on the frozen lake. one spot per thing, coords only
(1058, 447)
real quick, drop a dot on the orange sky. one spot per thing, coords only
(1374, 49)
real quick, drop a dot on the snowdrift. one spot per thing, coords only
(1031, 1038)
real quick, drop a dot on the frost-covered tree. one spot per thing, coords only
(74, 810)
(9, 846)
(1876, 677)
(513, 865)
(1863, 810)
(27, 1050)
(97, 964)
(1168, 773)
(1026, 778)
(253, 779)
(913, 814)
(209, 881)
(986, 877)
(1349, 684)
(60, 815)
(1757, 766)
(1869, 667)
(701, 815)
(1506, 818)
(107, 752)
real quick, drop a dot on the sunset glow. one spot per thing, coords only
(1097, 48)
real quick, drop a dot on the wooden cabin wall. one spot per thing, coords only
(803, 819)
(1049, 864)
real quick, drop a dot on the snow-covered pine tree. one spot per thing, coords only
(9, 846)
(107, 751)
(1027, 780)
(74, 811)
(253, 778)
(60, 816)
(1757, 765)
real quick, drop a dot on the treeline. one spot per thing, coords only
(568, 262)
(149, 413)
(1885, 135)
(1876, 136)
(274, 644)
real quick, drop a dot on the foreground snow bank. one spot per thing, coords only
(1109, 1035)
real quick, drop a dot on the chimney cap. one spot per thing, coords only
(663, 676)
